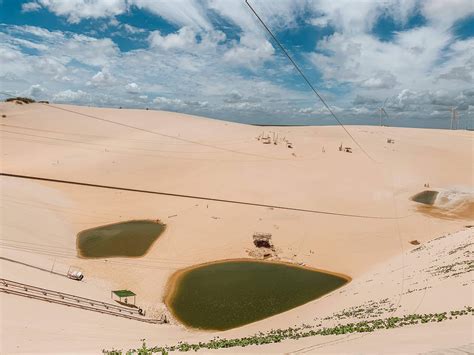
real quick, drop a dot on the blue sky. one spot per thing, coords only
(212, 58)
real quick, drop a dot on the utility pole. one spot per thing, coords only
(380, 111)
(452, 117)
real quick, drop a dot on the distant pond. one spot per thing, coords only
(229, 294)
(124, 239)
(426, 197)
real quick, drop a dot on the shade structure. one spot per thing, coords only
(123, 293)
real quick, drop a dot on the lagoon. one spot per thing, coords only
(124, 239)
(225, 295)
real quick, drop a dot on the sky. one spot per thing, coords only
(213, 58)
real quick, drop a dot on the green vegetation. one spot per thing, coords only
(370, 309)
(132, 239)
(278, 335)
(229, 294)
(25, 100)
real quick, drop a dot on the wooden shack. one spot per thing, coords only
(262, 240)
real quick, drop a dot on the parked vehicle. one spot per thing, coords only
(75, 274)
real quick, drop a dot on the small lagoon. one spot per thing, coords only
(124, 239)
(426, 197)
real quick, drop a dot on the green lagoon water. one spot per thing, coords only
(226, 295)
(126, 239)
(427, 197)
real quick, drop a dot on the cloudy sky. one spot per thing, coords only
(212, 57)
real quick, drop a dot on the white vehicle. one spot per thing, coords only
(75, 274)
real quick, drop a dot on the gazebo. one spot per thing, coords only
(123, 294)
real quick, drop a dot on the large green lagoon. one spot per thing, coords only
(225, 295)
(125, 239)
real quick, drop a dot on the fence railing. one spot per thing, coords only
(66, 299)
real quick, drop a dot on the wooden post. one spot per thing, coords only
(52, 267)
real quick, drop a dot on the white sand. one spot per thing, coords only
(39, 220)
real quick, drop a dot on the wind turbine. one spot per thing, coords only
(382, 111)
(454, 118)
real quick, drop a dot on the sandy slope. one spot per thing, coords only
(192, 155)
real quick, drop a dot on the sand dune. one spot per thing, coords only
(188, 155)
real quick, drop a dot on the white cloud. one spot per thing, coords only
(180, 12)
(321, 21)
(132, 88)
(444, 14)
(63, 46)
(70, 96)
(367, 62)
(278, 15)
(196, 104)
(319, 110)
(306, 110)
(76, 10)
(36, 91)
(381, 80)
(49, 66)
(9, 53)
(345, 16)
(403, 68)
(113, 22)
(234, 97)
(38, 32)
(366, 100)
(237, 13)
(90, 50)
(176, 104)
(184, 38)
(458, 73)
(166, 102)
(424, 103)
(103, 77)
(132, 29)
(459, 65)
(250, 51)
(30, 7)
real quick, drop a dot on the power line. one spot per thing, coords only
(306, 79)
(95, 136)
(340, 123)
(235, 202)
